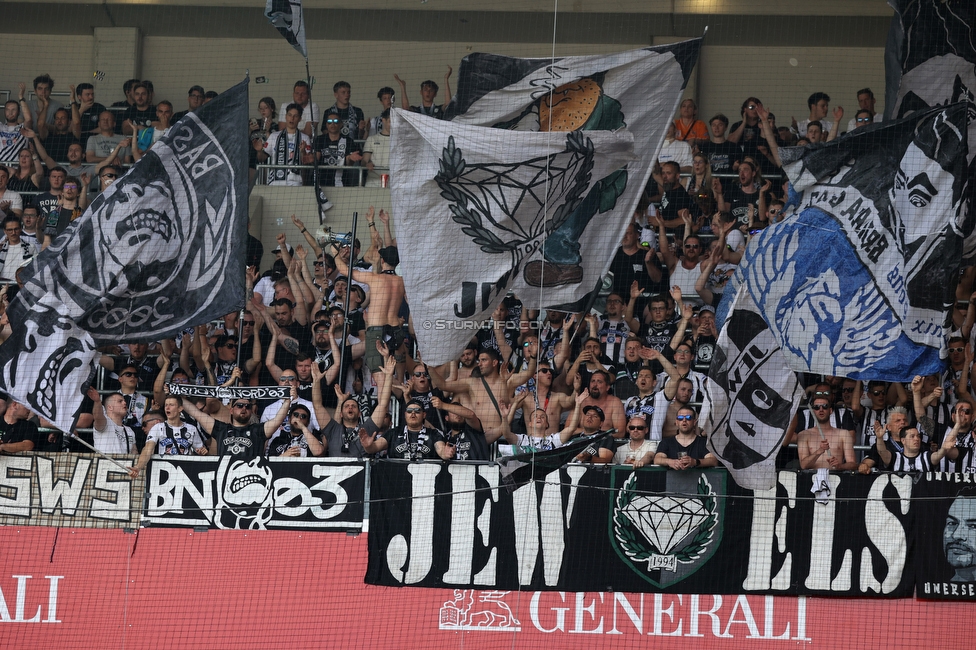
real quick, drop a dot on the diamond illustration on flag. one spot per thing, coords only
(665, 537)
(513, 199)
(666, 521)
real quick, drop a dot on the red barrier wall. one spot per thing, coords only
(176, 588)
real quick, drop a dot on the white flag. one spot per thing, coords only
(533, 193)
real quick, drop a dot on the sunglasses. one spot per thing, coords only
(287, 378)
(242, 405)
(71, 187)
(127, 374)
(414, 410)
(615, 301)
(877, 392)
(420, 374)
(637, 428)
(248, 322)
(683, 418)
(301, 415)
(692, 246)
(966, 411)
(332, 121)
(545, 370)
(957, 349)
(317, 264)
(820, 407)
(864, 119)
(847, 390)
(109, 176)
(825, 393)
(231, 346)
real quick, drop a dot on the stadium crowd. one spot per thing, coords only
(635, 365)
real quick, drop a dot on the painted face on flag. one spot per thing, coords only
(921, 188)
(151, 225)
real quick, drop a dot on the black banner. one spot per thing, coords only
(280, 494)
(590, 528)
(945, 566)
(230, 392)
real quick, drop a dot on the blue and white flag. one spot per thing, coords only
(529, 183)
(930, 60)
(159, 250)
(856, 281)
(288, 18)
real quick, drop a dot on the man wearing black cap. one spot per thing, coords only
(194, 100)
(296, 439)
(386, 295)
(601, 451)
(413, 440)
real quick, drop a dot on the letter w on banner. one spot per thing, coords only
(160, 250)
(530, 185)
(854, 282)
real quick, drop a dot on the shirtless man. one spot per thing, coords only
(537, 426)
(473, 389)
(554, 403)
(599, 395)
(385, 298)
(835, 451)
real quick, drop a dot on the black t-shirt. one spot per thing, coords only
(45, 203)
(58, 219)
(334, 152)
(751, 138)
(468, 443)
(243, 443)
(676, 199)
(722, 156)
(57, 145)
(283, 441)
(142, 119)
(627, 268)
(739, 203)
(342, 441)
(19, 431)
(411, 445)
(89, 122)
(351, 116)
(434, 111)
(671, 447)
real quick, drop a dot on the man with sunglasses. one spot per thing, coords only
(296, 439)
(686, 449)
(412, 440)
(289, 378)
(240, 439)
(334, 149)
(684, 272)
(879, 393)
(959, 444)
(824, 446)
(418, 387)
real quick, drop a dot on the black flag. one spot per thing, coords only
(289, 19)
(160, 250)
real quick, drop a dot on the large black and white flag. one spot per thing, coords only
(751, 397)
(529, 185)
(160, 250)
(288, 18)
(857, 279)
(930, 60)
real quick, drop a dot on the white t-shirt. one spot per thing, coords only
(311, 113)
(183, 437)
(115, 439)
(646, 447)
(265, 287)
(378, 145)
(677, 151)
(272, 410)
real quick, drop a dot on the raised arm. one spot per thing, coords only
(312, 244)
(447, 88)
(275, 423)
(98, 411)
(572, 424)
(404, 102)
(205, 421)
(269, 358)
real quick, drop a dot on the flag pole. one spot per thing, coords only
(345, 309)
